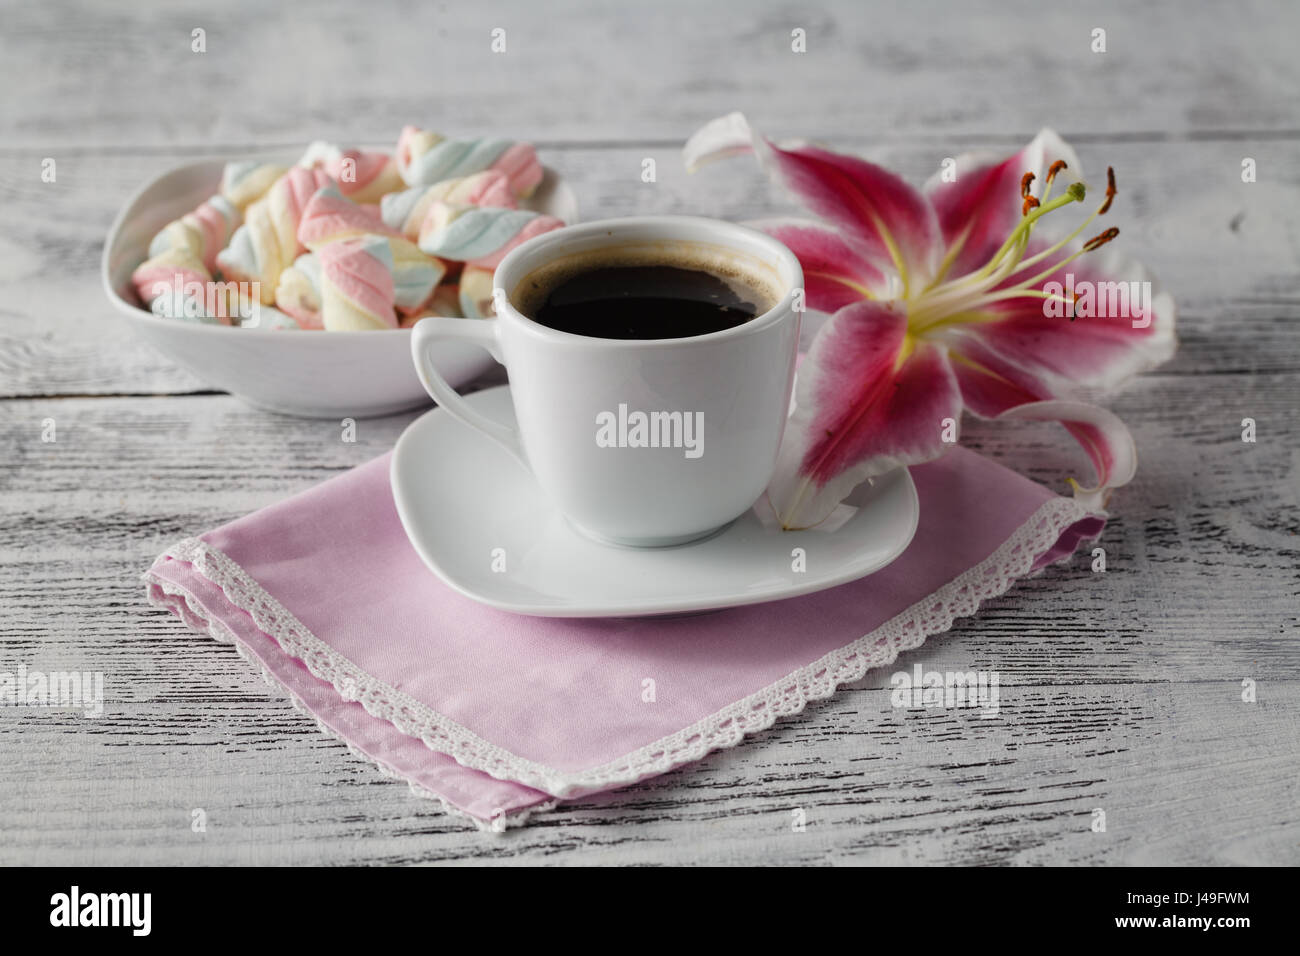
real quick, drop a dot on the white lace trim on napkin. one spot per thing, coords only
(906, 631)
(169, 596)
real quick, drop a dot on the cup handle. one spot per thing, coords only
(481, 332)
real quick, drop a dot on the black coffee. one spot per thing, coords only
(650, 301)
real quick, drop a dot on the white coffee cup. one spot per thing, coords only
(574, 393)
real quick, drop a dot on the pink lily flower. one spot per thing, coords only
(943, 300)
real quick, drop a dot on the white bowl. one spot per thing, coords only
(314, 374)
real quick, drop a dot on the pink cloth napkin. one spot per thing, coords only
(499, 715)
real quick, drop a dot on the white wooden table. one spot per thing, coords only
(1121, 691)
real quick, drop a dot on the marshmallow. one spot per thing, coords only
(424, 158)
(205, 231)
(318, 153)
(357, 289)
(330, 217)
(405, 211)
(364, 177)
(446, 301)
(475, 293)
(175, 284)
(415, 276)
(267, 243)
(298, 294)
(244, 183)
(477, 235)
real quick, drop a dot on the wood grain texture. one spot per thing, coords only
(1226, 249)
(1120, 691)
(588, 72)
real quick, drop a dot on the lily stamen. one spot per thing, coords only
(1110, 190)
(938, 298)
(970, 293)
(1096, 242)
(1101, 210)
(1017, 239)
(1030, 202)
(1056, 167)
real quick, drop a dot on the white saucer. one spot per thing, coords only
(461, 497)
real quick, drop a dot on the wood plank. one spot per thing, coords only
(111, 75)
(1120, 691)
(876, 785)
(1223, 247)
(1202, 556)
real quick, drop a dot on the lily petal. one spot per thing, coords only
(981, 205)
(717, 139)
(836, 270)
(1124, 326)
(1102, 435)
(893, 221)
(869, 399)
(992, 387)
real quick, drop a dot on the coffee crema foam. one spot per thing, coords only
(746, 274)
